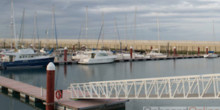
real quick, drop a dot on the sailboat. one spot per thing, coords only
(211, 54)
(22, 57)
(155, 53)
(76, 56)
(124, 55)
(97, 56)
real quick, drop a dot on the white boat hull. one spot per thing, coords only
(210, 56)
(96, 60)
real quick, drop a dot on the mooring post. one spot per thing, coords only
(174, 51)
(65, 54)
(198, 51)
(131, 52)
(50, 86)
(207, 50)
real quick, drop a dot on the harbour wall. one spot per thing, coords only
(189, 47)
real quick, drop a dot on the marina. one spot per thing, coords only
(65, 75)
(109, 55)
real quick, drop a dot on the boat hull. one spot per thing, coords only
(210, 56)
(27, 63)
(96, 61)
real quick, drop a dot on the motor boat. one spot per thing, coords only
(155, 54)
(97, 57)
(24, 58)
(76, 56)
(211, 54)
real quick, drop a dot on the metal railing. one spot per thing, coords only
(180, 87)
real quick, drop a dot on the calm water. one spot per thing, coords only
(116, 71)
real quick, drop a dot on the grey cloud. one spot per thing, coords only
(179, 19)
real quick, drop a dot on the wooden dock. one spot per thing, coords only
(69, 62)
(166, 58)
(38, 95)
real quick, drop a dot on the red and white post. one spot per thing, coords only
(50, 86)
(65, 54)
(131, 52)
(207, 50)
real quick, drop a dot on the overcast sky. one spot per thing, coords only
(178, 19)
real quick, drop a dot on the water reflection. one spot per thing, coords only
(119, 71)
(65, 70)
(131, 67)
(34, 76)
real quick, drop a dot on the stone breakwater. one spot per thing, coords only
(141, 45)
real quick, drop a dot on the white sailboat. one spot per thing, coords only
(155, 53)
(76, 56)
(134, 54)
(211, 54)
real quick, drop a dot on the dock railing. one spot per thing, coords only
(179, 87)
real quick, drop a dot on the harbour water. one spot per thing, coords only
(115, 71)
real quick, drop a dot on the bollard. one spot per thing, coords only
(174, 51)
(50, 86)
(198, 51)
(73, 48)
(65, 54)
(151, 48)
(131, 52)
(207, 50)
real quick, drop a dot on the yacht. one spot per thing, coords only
(76, 56)
(155, 54)
(97, 57)
(24, 58)
(123, 56)
(211, 54)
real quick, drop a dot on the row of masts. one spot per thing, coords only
(116, 30)
(18, 41)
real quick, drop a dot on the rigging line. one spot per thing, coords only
(99, 36)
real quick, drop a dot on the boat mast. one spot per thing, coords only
(80, 32)
(103, 29)
(22, 29)
(35, 29)
(135, 15)
(87, 25)
(37, 34)
(158, 34)
(13, 25)
(47, 35)
(54, 32)
(117, 32)
(213, 27)
(125, 30)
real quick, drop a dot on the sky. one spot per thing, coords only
(196, 20)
